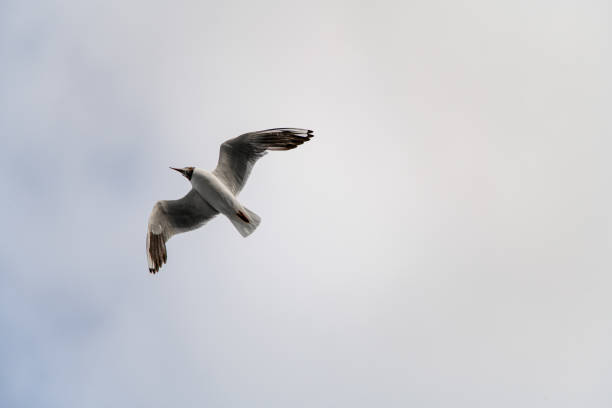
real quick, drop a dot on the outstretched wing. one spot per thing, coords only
(238, 155)
(171, 217)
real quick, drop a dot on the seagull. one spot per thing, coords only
(217, 191)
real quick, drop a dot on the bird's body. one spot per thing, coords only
(216, 192)
(219, 197)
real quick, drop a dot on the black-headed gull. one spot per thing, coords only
(215, 192)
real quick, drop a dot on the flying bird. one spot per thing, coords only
(217, 191)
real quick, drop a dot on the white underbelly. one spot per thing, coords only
(215, 192)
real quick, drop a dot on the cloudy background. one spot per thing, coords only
(443, 241)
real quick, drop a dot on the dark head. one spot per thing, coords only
(186, 171)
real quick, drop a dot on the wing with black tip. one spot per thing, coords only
(238, 155)
(171, 217)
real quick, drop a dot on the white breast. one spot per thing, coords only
(214, 192)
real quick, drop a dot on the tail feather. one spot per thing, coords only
(245, 221)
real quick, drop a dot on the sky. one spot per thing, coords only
(443, 241)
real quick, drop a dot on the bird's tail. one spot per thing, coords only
(245, 221)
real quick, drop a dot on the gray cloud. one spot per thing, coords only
(443, 241)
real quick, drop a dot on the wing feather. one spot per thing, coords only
(171, 217)
(237, 156)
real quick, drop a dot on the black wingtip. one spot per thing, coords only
(309, 134)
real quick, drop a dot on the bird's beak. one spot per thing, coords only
(179, 170)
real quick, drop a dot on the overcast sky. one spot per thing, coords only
(443, 241)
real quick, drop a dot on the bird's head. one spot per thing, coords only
(185, 171)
